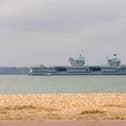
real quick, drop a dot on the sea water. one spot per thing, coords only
(62, 84)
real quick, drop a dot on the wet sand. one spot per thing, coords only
(46, 107)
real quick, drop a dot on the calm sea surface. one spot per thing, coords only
(61, 84)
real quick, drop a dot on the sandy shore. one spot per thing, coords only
(63, 107)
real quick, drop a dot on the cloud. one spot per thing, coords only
(56, 16)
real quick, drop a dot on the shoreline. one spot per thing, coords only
(81, 106)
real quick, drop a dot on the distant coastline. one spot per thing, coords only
(14, 70)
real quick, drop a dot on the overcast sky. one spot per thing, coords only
(49, 31)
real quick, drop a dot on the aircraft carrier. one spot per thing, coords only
(78, 67)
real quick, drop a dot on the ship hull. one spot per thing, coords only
(74, 74)
(70, 71)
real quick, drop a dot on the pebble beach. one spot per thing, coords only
(39, 107)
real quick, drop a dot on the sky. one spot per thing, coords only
(48, 32)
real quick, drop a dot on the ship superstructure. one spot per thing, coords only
(80, 61)
(78, 67)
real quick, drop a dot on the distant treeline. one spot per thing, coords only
(14, 70)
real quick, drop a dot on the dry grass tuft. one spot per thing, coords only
(47, 109)
(113, 105)
(119, 118)
(24, 107)
(96, 111)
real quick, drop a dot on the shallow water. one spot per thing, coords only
(62, 84)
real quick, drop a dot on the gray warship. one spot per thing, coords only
(78, 67)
